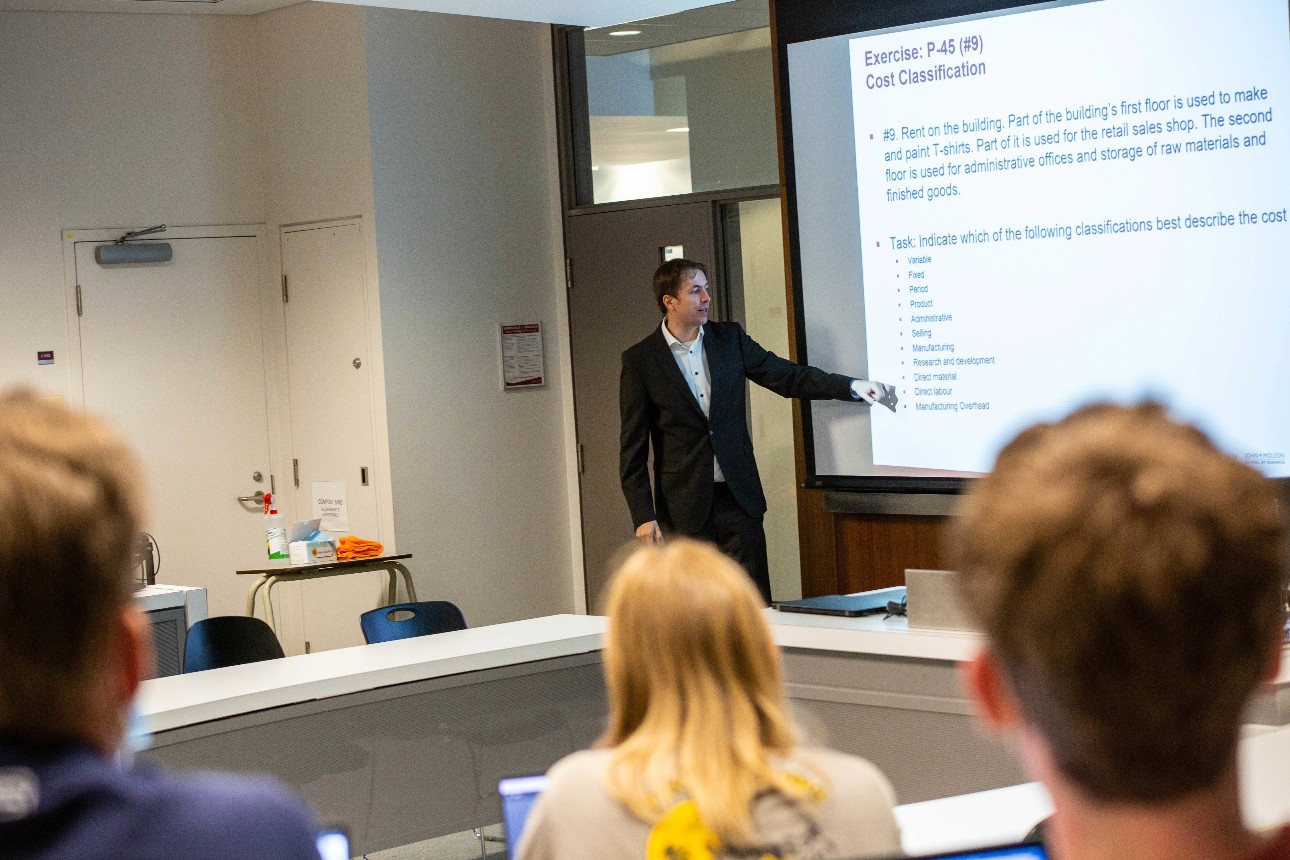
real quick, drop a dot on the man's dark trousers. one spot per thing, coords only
(738, 535)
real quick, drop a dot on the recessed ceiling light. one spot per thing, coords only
(625, 33)
(684, 129)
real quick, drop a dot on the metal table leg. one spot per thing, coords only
(250, 598)
(407, 580)
(392, 588)
(268, 602)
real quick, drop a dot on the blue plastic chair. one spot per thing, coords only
(229, 640)
(394, 622)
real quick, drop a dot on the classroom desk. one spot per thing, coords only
(405, 740)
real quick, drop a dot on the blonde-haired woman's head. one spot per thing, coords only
(687, 640)
(696, 699)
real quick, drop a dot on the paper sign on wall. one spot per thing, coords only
(331, 505)
(522, 356)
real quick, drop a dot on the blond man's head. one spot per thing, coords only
(1131, 581)
(70, 510)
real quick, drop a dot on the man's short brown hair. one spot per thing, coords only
(70, 511)
(1131, 580)
(669, 277)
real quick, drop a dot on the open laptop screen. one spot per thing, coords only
(1025, 851)
(518, 796)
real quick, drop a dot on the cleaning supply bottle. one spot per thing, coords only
(275, 529)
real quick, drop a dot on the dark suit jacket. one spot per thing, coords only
(657, 408)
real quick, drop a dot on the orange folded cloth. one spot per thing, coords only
(351, 547)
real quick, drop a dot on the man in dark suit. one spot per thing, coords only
(682, 390)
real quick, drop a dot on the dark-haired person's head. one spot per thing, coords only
(1130, 579)
(670, 277)
(72, 648)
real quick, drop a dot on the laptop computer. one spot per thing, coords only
(518, 793)
(1017, 851)
(849, 605)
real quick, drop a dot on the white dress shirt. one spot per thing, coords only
(694, 367)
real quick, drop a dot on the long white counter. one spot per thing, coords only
(188, 700)
(405, 740)
(170, 703)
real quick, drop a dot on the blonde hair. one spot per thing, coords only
(71, 507)
(696, 697)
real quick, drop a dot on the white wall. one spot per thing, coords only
(135, 119)
(468, 236)
(313, 96)
(761, 230)
(108, 120)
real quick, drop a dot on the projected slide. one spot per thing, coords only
(1079, 202)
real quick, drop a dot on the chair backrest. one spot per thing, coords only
(393, 622)
(229, 640)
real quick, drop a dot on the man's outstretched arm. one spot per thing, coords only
(801, 380)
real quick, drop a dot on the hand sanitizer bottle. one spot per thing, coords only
(275, 530)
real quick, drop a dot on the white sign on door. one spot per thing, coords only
(331, 505)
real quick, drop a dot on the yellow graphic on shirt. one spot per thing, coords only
(682, 835)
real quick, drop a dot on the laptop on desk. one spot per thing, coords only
(847, 605)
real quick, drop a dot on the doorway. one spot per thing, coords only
(612, 258)
(174, 354)
(613, 253)
(334, 417)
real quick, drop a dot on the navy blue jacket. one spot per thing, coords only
(72, 802)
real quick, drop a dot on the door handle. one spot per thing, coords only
(258, 498)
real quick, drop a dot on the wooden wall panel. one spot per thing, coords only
(873, 550)
(817, 536)
(843, 553)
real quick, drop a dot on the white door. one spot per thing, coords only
(174, 354)
(329, 371)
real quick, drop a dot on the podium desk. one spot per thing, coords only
(880, 689)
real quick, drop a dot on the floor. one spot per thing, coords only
(454, 846)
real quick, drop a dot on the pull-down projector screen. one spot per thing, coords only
(1009, 214)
